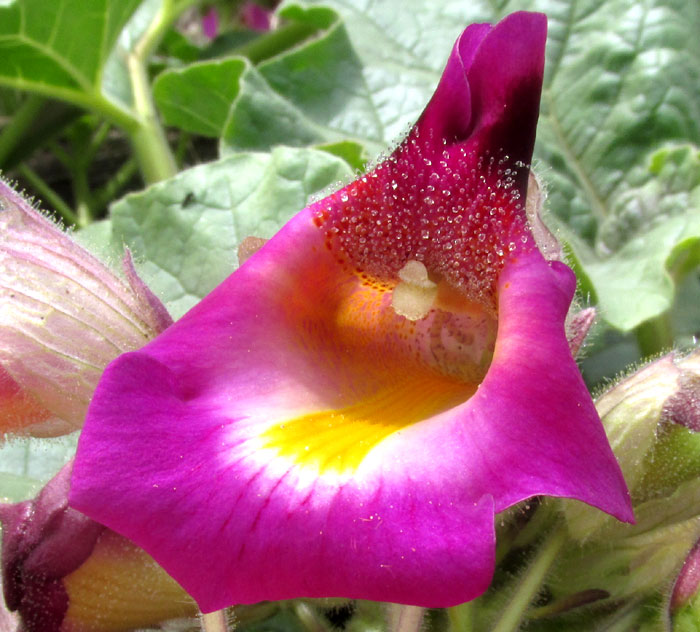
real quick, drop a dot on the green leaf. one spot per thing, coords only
(15, 488)
(27, 464)
(60, 48)
(623, 82)
(318, 88)
(314, 93)
(186, 230)
(651, 226)
(366, 78)
(199, 97)
(351, 152)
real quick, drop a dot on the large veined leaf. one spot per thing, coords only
(622, 82)
(653, 226)
(186, 230)
(625, 82)
(60, 48)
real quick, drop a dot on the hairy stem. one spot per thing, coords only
(531, 582)
(151, 148)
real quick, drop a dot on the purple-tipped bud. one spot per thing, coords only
(687, 586)
(62, 571)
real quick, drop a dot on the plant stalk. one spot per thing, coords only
(461, 618)
(531, 581)
(273, 43)
(22, 121)
(151, 149)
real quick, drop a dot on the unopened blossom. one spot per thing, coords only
(64, 316)
(684, 604)
(63, 572)
(256, 17)
(344, 415)
(652, 418)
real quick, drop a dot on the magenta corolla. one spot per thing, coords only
(344, 415)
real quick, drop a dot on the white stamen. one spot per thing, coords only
(414, 296)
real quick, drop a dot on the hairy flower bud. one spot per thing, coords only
(685, 600)
(652, 420)
(63, 572)
(63, 316)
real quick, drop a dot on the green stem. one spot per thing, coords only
(655, 335)
(83, 196)
(99, 137)
(88, 100)
(531, 582)
(115, 184)
(569, 602)
(48, 194)
(61, 155)
(151, 148)
(22, 121)
(461, 618)
(275, 42)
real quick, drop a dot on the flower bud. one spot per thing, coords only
(64, 572)
(651, 419)
(63, 317)
(685, 599)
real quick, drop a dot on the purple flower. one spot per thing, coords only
(210, 23)
(255, 17)
(345, 414)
